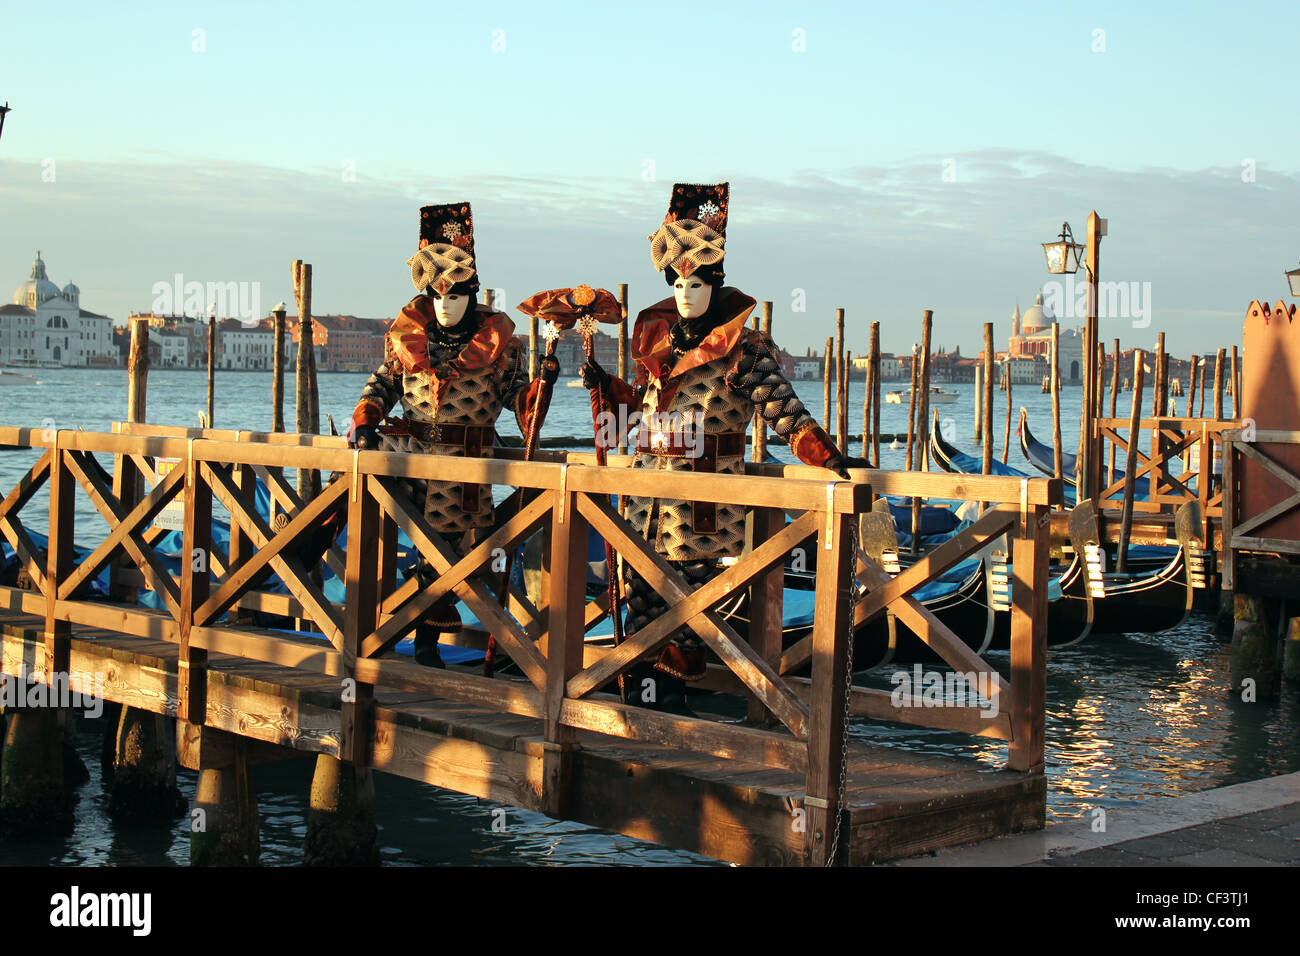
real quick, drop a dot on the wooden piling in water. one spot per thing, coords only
(1191, 386)
(875, 394)
(300, 272)
(1160, 385)
(223, 817)
(341, 827)
(212, 364)
(1006, 433)
(1114, 402)
(1218, 384)
(923, 409)
(277, 368)
(827, 404)
(1236, 384)
(1130, 463)
(911, 407)
(33, 798)
(987, 463)
(841, 385)
(144, 786)
(1056, 400)
(979, 404)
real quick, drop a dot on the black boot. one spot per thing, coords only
(672, 699)
(426, 648)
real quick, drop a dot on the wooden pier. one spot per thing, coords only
(787, 785)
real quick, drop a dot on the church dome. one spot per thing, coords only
(37, 288)
(70, 291)
(1037, 318)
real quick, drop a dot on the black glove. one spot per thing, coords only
(365, 437)
(593, 376)
(550, 369)
(840, 464)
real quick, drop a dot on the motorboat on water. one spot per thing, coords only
(938, 396)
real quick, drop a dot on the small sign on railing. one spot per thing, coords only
(1216, 463)
(172, 517)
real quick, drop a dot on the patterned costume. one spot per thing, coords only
(453, 383)
(699, 382)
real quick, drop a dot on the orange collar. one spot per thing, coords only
(409, 337)
(653, 350)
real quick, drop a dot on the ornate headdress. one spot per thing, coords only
(446, 256)
(694, 232)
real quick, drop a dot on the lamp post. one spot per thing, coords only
(1064, 256)
(3, 110)
(1293, 279)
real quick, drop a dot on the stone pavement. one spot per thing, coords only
(1247, 824)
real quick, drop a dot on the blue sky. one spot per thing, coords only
(883, 158)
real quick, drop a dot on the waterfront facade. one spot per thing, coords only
(45, 325)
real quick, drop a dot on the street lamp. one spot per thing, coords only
(3, 110)
(1293, 278)
(1064, 254)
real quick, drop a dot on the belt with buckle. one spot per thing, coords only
(475, 439)
(704, 514)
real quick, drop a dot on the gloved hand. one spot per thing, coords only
(365, 437)
(840, 464)
(593, 376)
(550, 369)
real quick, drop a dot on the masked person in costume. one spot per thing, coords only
(454, 365)
(701, 375)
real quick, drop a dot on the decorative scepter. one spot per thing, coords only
(584, 308)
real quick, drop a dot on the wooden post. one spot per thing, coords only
(1204, 372)
(1159, 398)
(341, 827)
(841, 385)
(565, 578)
(1191, 384)
(1236, 385)
(1130, 463)
(1030, 557)
(277, 366)
(979, 404)
(301, 273)
(923, 418)
(830, 680)
(871, 401)
(360, 616)
(1114, 399)
(765, 597)
(1056, 400)
(624, 371)
(224, 800)
(827, 404)
(1089, 471)
(760, 424)
(212, 364)
(128, 482)
(987, 463)
(1006, 434)
(192, 675)
(875, 397)
(1218, 384)
(911, 405)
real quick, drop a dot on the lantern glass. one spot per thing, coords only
(1293, 278)
(1063, 255)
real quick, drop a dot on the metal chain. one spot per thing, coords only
(848, 690)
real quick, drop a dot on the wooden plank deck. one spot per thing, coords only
(900, 803)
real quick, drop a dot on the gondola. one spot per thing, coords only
(1042, 458)
(1154, 595)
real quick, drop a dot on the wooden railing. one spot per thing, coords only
(1193, 441)
(561, 497)
(1243, 525)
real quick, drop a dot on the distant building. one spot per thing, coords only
(45, 325)
(1031, 338)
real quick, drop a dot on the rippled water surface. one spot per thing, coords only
(1129, 718)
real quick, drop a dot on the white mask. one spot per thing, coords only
(450, 309)
(693, 296)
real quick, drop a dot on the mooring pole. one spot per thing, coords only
(1130, 463)
(987, 463)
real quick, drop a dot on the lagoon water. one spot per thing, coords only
(1130, 718)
